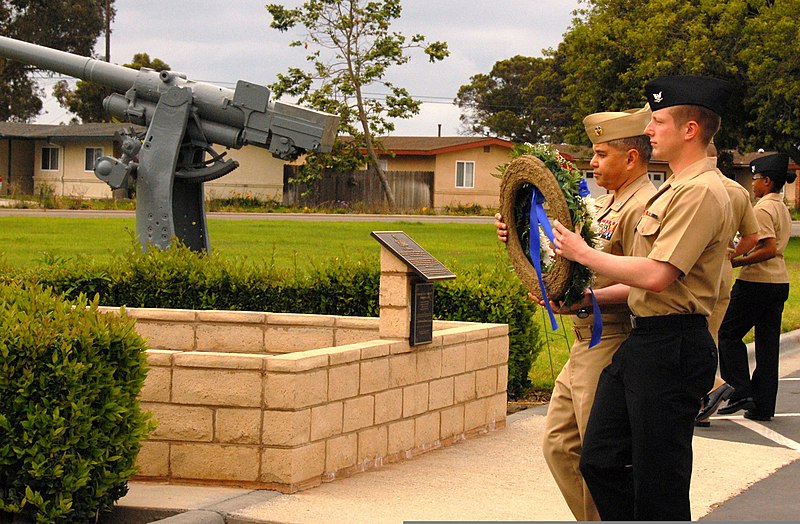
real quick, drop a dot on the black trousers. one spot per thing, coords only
(759, 305)
(637, 451)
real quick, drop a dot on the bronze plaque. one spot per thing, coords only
(413, 255)
(421, 313)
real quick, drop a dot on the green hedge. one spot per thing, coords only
(70, 423)
(179, 278)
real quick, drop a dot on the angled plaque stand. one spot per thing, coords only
(408, 273)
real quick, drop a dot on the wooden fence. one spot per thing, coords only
(413, 190)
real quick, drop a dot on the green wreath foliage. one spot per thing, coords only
(581, 209)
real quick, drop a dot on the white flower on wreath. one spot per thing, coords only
(546, 252)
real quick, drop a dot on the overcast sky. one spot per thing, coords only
(222, 42)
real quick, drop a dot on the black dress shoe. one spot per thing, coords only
(737, 405)
(755, 416)
(712, 401)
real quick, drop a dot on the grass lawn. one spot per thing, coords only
(292, 244)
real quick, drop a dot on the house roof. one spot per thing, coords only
(435, 145)
(62, 132)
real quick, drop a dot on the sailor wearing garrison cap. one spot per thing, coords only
(637, 450)
(758, 297)
(620, 160)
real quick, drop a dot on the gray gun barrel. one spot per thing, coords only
(244, 115)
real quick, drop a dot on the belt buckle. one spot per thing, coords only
(633, 321)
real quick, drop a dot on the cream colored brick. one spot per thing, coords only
(475, 414)
(395, 322)
(426, 430)
(374, 375)
(182, 422)
(401, 436)
(429, 364)
(415, 399)
(477, 355)
(502, 378)
(454, 335)
(167, 335)
(497, 408)
(486, 382)
(372, 443)
(498, 330)
(326, 421)
(358, 413)
(157, 385)
(441, 393)
(214, 462)
(477, 332)
(345, 355)
(375, 349)
(343, 381)
(402, 369)
(361, 323)
(186, 316)
(237, 426)
(286, 428)
(296, 362)
(230, 338)
(395, 290)
(497, 351)
(216, 387)
(454, 360)
(295, 390)
(353, 336)
(341, 452)
(291, 466)
(452, 421)
(290, 339)
(464, 387)
(239, 318)
(214, 360)
(401, 346)
(388, 406)
(391, 263)
(153, 459)
(300, 319)
(160, 357)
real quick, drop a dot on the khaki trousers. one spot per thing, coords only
(570, 405)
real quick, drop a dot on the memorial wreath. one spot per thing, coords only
(540, 177)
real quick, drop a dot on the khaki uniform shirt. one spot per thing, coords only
(744, 221)
(687, 224)
(616, 217)
(774, 222)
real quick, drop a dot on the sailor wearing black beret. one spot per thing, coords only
(758, 297)
(637, 450)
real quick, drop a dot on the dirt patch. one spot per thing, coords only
(531, 399)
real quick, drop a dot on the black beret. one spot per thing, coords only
(705, 91)
(776, 164)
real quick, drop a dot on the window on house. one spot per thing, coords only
(588, 174)
(383, 163)
(465, 174)
(92, 154)
(49, 159)
(656, 176)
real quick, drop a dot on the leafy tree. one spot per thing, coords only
(86, 100)
(518, 100)
(350, 47)
(615, 46)
(69, 25)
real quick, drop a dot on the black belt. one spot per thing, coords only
(669, 322)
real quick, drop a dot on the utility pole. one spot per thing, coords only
(108, 31)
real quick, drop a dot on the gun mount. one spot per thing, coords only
(183, 119)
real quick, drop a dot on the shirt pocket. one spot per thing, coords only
(648, 226)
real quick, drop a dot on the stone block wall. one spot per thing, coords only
(283, 401)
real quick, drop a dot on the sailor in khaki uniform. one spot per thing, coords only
(637, 454)
(746, 226)
(758, 297)
(621, 155)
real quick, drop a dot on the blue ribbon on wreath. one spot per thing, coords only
(597, 325)
(539, 217)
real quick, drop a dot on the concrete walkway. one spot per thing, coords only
(743, 470)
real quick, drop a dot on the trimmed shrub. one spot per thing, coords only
(180, 278)
(70, 422)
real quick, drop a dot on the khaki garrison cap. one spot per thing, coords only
(613, 125)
